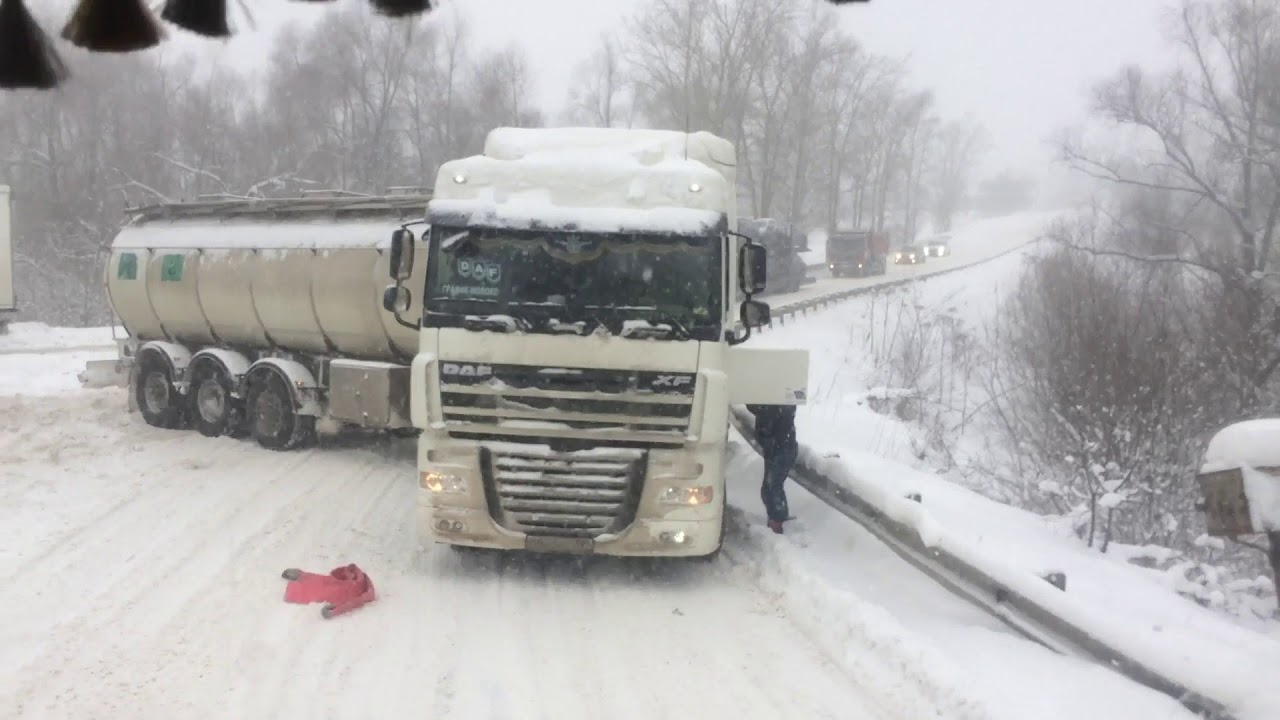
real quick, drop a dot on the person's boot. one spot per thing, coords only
(776, 526)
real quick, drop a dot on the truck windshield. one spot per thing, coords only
(634, 285)
(847, 244)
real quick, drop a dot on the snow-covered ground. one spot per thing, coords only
(144, 574)
(849, 428)
(144, 567)
(29, 337)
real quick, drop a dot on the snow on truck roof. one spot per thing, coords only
(594, 179)
(509, 143)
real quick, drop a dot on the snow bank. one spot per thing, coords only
(910, 677)
(244, 235)
(37, 336)
(929, 653)
(885, 457)
(1177, 639)
(43, 374)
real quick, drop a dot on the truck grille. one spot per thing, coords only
(630, 408)
(563, 494)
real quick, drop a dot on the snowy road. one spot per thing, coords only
(147, 573)
(146, 568)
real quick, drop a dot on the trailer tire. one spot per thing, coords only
(214, 410)
(158, 398)
(273, 416)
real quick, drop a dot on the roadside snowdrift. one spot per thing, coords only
(870, 439)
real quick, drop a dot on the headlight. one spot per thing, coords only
(697, 495)
(444, 482)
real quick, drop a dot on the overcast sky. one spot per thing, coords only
(1020, 67)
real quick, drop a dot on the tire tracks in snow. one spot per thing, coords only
(174, 579)
(191, 622)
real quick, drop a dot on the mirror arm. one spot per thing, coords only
(406, 324)
(396, 313)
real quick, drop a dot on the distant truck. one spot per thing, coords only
(937, 246)
(857, 253)
(783, 243)
(8, 300)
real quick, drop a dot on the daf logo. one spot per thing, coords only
(573, 244)
(466, 370)
(672, 381)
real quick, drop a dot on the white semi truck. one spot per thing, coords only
(564, 332)
(586, 300)
(8, 297)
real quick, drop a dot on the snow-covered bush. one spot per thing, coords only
(1112, 370)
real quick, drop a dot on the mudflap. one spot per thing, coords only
(102, 374)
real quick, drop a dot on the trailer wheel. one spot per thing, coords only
(273, 417)
(158, 399)
(214, 411)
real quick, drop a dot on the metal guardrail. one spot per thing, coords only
(1028, 617)
(780, 314)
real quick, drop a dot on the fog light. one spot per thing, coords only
(698, 495)
(449, 526)
(443, 483)
(676, 538)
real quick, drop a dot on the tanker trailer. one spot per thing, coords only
(261, 317)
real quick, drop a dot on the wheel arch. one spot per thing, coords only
(235, 365)
(177, 358)
(301, 383)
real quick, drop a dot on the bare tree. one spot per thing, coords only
(960, 143)
(601, 94)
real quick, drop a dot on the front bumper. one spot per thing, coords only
(645, 537)
(471, 516)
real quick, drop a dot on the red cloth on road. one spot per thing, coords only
(344, 589)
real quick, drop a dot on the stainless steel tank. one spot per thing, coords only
(303, 275)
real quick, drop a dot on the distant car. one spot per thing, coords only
(937, 246)
(909, 255)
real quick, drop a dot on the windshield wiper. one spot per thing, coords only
(669, 327)
(501, 323)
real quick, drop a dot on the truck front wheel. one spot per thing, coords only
(213, 409)
(273, 416)
(158, 399)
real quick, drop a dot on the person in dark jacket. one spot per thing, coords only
(776, 433)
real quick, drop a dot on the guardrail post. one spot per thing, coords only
(1057, 579)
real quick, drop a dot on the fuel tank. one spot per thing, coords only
(297, 274)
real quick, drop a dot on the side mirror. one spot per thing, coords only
(401, 255)
(755, 314)
(753, 262)
(396, 299)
